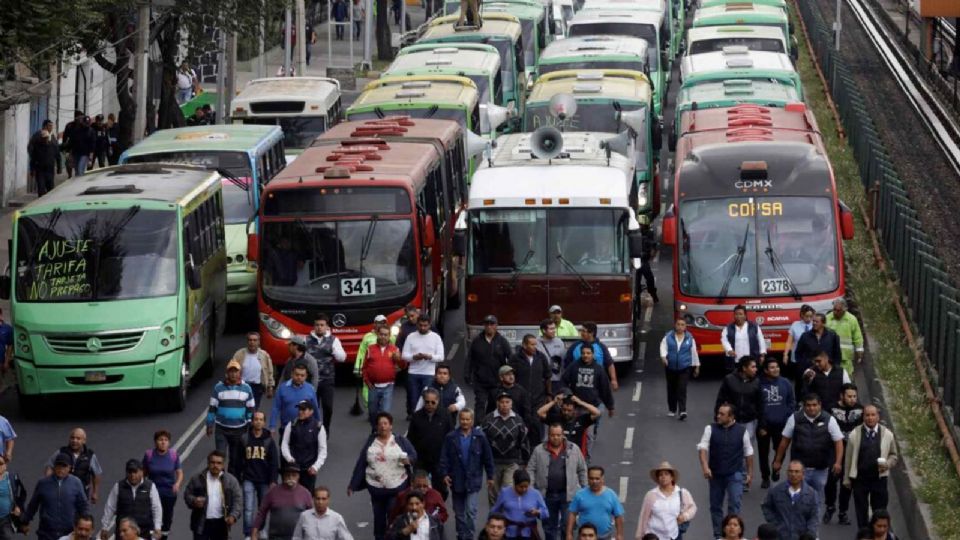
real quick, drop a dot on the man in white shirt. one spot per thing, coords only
(724, 449)
(186, 79)
(321, 523)
(82, 528)
(215, 498)
(422, 351)
(742, 338)
(256, 367)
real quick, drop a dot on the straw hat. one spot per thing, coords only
(664, 466)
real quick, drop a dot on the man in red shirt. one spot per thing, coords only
(380, 372)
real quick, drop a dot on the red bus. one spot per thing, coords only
(755, 220)
(358, 225)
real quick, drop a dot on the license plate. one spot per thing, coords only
(358, 287)
(95, 376)
(775, 286)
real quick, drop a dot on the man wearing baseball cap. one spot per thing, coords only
(231, 408)
(565, 328)
(134, 497)
(304, 443)
(57, 498)
(380, 321)
(487, 353)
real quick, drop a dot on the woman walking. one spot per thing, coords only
(522, 505)
(678, 352)
(667, 508)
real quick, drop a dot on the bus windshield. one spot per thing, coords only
(753, 44)
(635, 65)
(599, 117)
(238, 203)
(555, 241)
(789, 246)
(94, 255)
(338, 262)
(298, 132)
(236, 163)
(647, 32)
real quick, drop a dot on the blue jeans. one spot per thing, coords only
(465, 510)
(817, 479)
(554, 526)
(81, 163)
(252, 495)
(731, 486)
(415, 385)
(379, 399)
(183, 95)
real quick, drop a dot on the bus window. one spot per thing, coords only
(265, 168)
(518, 56)
(218, 225)
(475, 119)
(498, 88)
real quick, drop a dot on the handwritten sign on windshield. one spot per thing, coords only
(60, 270)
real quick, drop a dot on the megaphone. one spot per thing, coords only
(493, 116)
(546, 142)
(475, 145)
(619, 144)
(635, 120)
(563, 106)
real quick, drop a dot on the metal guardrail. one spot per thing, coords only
(930, 291)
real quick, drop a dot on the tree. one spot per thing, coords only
(384, 48)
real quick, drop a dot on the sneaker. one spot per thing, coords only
(828, 515)
(842, 518)
(671, 414)
(765, 484)
(683, 416)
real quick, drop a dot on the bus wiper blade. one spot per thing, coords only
(368, 240)
(583, 281)
(737, 266)
(45, 233)
(234, 179)
(519, 268)
(779, 268)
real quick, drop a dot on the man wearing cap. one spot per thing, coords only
(297, 347)
(256, 367)
(231, 408)
(487, 353)
(134, 497)
(519, 394)
(506, 431)
(283, 503)
(565, 328)
(422, 351)
(380, 365)
(58, 498)
(289, 395)
(304, 444)
(327, 350)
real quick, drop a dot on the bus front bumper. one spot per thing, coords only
(159, 373)
(241, 286)
(617, 337)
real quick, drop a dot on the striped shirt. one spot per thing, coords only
(231, 406)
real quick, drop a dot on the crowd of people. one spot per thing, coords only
(87, 143)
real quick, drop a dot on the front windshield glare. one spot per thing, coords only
(788, 246)
(96, 255)
(337, 262)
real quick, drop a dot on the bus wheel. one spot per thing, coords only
(177, 396)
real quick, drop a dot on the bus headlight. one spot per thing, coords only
(609, 333)
(642, 198)
(22, 341)
(167, 333)
(613, 352)
(275, 327)
(701, 322)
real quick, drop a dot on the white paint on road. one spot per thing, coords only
(193, 444)
(186, 434)
(453, 351)
(628, 439)
(624, 483)
(642, 353)
(636, 391)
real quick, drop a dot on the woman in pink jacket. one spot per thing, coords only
(667, 508)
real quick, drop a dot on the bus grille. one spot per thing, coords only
(94, 343)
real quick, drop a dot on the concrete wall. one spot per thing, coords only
(14, 135)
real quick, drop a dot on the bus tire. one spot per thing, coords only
(176, 397)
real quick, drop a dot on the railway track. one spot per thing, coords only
(920, 96)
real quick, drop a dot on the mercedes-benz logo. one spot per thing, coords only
(339, 320)
(94, 344)
(760, 320)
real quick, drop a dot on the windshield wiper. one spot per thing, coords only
(519, 268)
(779, 268)
(235, 180)
(107, 239)
(368, 240)
(52, 218)
(737, 265)
(583, 281)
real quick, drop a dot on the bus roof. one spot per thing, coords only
(521, 10)
(322, 91)
(604, 14)
(451, 48)
(626, 5)
(776, 3)
(733, 91)
(420, 90)
(619, 84)
(547, 184)
(494, 24)
(589, 46)
(739, 13)
(392, 128)
(446, 60)
(735, 57)
(719, 32)
(579, 148)
(750, 122)
(161, 182)
(218, 138)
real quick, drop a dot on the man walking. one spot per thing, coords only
(778, 404)
(82, 141)
(725, 452)
(871, 453)
(45, 159)
(289, 396)
(297, 347)
(134, 497)
(601, 354)
(422, 351)
(186, 81)
(369, 339)
(83, 463)
(558, 471)
(428, 429)
(215, 500)
(261, 463)
(82, 528)
(452, 399)
(818, 338)
(597, 505)
(465, 457)
(432, 499)
(283, 503)
(817, 443)
(327, 350)
(411, 314)
(849, 414)
(648, 251)
(792, 505)
(304, 444)
(506, 431)
(742, 338)
(58, 499)
(231, 408)
(12, 502)
(532, 371)
(565, 328)
(519, 394)
(847, 328)
(321, 523)
(588, 381)
(487, 353)
(380, 363)
(825, 379)
(256, 368)
(553, 348)
(742, 390)
(678, 353)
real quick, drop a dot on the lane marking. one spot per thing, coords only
(186, 434)
(624, 484)
(628, 439)
(636, 392)
(642, 354)
(453, 351)
(193, 444)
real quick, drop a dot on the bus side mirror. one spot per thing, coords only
(193, 275)
(669, 236)
(5, 287)
(635, 244)
(460, 243)
(253, 247)
(429, 236)
(657, 135)
(846, 222)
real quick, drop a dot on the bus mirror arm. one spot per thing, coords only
(429, 235)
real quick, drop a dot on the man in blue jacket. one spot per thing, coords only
(779, 403)
(601, 354)
(291, 393)
(466, 455)
(58, 498)
(792, 505)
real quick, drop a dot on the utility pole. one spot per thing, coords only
(221, 75)
(287, 46)
(230, 86)
(261, 59)
(142, 63)
(367, 33)
(303, 40)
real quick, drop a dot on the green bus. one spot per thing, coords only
(741, 14)
(782, 4)
(119, 283)
(500, 30)
(534, 29)
(672, 29)
(441, 97)
(729, 93)
(478, 62)
(647, 25)
(739, 63)
(248, 156)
